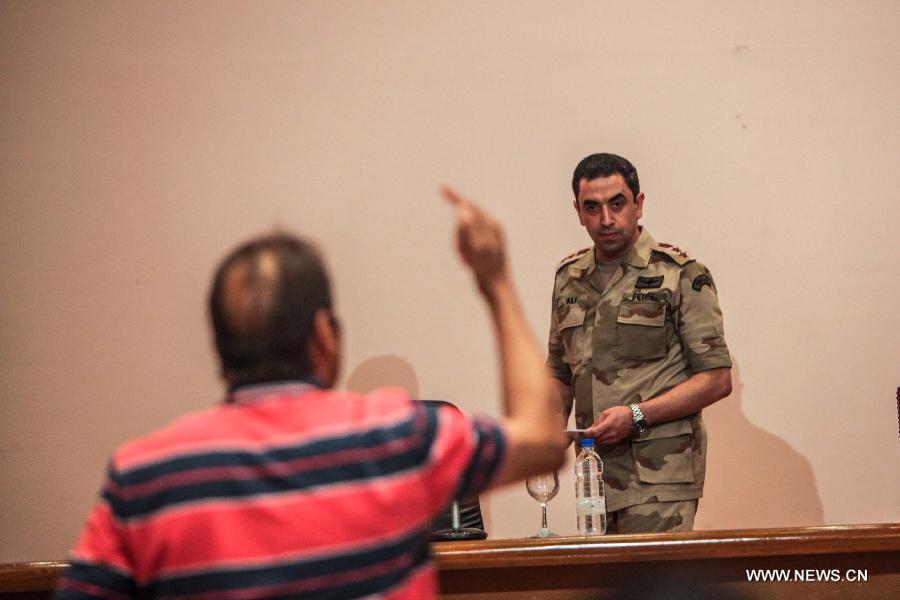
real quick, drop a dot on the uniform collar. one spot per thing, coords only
(584, 262)
(637, 256)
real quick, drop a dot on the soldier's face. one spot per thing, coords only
(610, 214)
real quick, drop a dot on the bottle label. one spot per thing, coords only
(590, 506)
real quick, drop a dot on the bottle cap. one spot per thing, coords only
(586, 442)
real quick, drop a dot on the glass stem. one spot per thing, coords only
(543, 515)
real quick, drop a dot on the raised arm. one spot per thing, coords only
(534, 428)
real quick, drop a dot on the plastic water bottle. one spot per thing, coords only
(590, 495)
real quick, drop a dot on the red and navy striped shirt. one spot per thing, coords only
(286, 491)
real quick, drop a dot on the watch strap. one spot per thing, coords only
(638, 422)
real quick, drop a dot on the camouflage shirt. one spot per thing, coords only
(657, 323)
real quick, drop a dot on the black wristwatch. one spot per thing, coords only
(638, 422)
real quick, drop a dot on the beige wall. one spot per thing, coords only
(141, 140)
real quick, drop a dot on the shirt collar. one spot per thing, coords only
(243, 394)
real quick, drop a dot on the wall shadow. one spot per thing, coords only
(384, 371)
(753, 479)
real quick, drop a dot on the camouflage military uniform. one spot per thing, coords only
(657, 323)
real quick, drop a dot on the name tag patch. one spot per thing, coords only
(637, 296)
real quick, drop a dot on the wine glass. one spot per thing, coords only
(543, 488)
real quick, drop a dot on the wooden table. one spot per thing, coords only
(703, 564)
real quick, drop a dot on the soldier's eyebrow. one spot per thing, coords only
(619, 196)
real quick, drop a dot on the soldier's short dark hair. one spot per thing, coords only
(605, 165)
(262, 302)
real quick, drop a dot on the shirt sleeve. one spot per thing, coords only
(699, 320)
(99, 565)
(489, 448)
(465, 454)
(555, 348)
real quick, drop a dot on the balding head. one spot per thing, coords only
(263, 302)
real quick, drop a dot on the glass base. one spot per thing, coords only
(463, 533)
(544, 533)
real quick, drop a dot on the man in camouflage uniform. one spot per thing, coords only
(636, 340)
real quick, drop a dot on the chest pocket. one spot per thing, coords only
(641, 329)
(571, 327)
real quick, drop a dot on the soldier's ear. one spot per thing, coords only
(579, 213)
(640, 204)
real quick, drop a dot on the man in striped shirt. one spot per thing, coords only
(289, 489)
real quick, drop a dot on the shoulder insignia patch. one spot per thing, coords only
(676, 253)
(571, 258)
(701, 280)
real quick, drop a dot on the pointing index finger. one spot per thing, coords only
(462, 206)
(451, 196)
